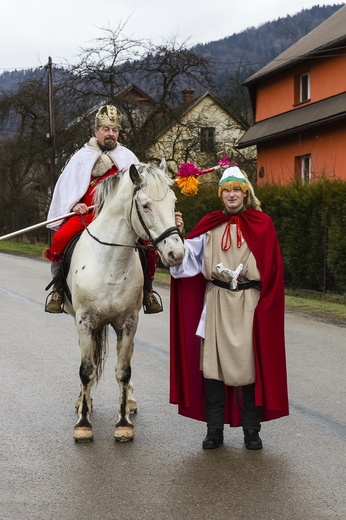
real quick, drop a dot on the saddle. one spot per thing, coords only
(59, 280)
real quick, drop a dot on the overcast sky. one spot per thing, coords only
(32, 30)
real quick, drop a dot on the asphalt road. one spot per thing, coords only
(163, 473)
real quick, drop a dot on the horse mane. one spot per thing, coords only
(153, 177)
(103, 190)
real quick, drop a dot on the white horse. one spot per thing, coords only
(106, 279)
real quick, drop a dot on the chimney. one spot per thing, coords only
(188, 94)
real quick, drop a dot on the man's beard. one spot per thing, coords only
(109, 144)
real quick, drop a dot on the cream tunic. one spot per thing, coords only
(227, 350)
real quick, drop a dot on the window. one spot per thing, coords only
(302, 88)
(207, 139)
(261, 173)
(303, 167)
(135, 117)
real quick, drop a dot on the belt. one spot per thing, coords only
(241, 286)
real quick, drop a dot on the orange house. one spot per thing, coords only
(299, 107)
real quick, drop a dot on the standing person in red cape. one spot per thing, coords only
(228, 363)
(103, 156)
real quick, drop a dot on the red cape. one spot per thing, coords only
(187, 296)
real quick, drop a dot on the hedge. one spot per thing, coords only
(310, 220)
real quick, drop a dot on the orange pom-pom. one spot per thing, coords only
(188, 185)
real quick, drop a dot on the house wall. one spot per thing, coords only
(182, 142)
(326, 146)
(276, 95)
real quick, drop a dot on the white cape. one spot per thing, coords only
(75, 178)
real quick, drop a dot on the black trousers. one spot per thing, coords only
(215, 397)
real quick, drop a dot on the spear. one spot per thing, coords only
(41, 224)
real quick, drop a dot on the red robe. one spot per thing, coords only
(187, 297)
(75, 224)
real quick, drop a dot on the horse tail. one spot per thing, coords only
(100, 340)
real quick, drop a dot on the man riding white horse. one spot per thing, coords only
(100, 158)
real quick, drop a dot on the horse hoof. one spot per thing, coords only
(83, 434)
(124, 434)
(133, 406)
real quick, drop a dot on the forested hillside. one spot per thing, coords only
(256, 46)
(244, 52)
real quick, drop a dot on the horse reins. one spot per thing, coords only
(170, 231)
(134, 246)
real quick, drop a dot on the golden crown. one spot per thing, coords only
(107, 115)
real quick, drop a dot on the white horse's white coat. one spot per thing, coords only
(106, 281)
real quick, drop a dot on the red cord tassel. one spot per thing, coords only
(226, 241)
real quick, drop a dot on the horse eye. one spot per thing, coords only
(146, 207)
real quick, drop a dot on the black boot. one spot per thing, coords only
(252, 439)
(213, 438)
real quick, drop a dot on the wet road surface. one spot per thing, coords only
(163, 473)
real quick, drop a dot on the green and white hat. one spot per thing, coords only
(232, 178)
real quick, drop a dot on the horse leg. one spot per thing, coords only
(131, 398)
(79, 400)
(124, 428)
(87, 372)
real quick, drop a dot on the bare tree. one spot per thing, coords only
(104, 71)
(24, 170)
(169, 68)
(235, 95)
(114, 62)
(104, 68)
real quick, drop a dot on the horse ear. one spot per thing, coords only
(134, 175)
(163, 165)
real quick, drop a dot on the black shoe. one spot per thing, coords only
(213, 439)
(252, 439)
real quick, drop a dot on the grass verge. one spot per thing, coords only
(21, 248)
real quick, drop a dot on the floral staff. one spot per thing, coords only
(188, 173)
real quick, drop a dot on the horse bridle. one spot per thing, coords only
(170, 231)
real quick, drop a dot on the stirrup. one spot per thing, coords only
(157, 305)
(56, 303)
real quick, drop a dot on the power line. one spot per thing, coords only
(13, 69)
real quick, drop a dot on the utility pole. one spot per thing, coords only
(51, 134)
